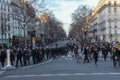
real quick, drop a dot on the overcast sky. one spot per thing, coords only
(64, 8)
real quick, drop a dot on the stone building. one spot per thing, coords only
(103, 22)
(15, 16)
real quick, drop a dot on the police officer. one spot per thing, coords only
(26, 56)
(12, 56)
(19, 57)
(33, 54)
(2, 57)
(37, 55)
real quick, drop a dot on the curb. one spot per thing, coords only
(37, 64)
(1, 71)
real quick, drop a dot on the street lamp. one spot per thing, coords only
(34, 36)
(85, 33)
(44, 18)
(9, 39)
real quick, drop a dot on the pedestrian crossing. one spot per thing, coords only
(71, 58)
(63, 74)
(71, 55)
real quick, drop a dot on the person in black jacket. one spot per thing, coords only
(86, 52)
(26, 56)
(76, 50)
(33, 54)
(104, 52)
(19, 57)
(12, 56)
(2, 57)
(95, 55)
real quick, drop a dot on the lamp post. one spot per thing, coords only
(84, 33)
(44, 18)
(2, 33)
(9, 39)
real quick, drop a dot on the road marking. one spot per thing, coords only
(108, 59)
(65, 74)
(1, 72)
(37, 64)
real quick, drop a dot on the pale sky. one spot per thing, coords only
(64, 8)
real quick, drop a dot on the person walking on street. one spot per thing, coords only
(95, 55)
(76, 50)
(104, 52)
(86, 50)
(113, 56)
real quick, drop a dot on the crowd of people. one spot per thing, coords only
(27, 56)
(93, 52)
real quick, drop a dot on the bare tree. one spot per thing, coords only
(78, 18)
(26, 11)
(54, 27)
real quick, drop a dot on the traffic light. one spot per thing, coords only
(85, 31)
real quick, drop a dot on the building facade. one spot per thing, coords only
(4, 26)
(9, 22)
(104, 21)
(14, 19)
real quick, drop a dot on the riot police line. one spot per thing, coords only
(26, 56)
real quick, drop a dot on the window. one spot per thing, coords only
(8, 17)
(9, 27)
(109, 25)
(6, 1)
(2, 6)
(5, 35)
(1, 1)
(115, 9)
(2, 16)
(8, 8)
(109, 6)
(115, 32)
(115, 24)
(109, 3)
(115, 3)
(109, 31)
(109, 9)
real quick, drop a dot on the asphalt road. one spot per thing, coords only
(63, 68)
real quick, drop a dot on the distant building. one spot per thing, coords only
(103, 22)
